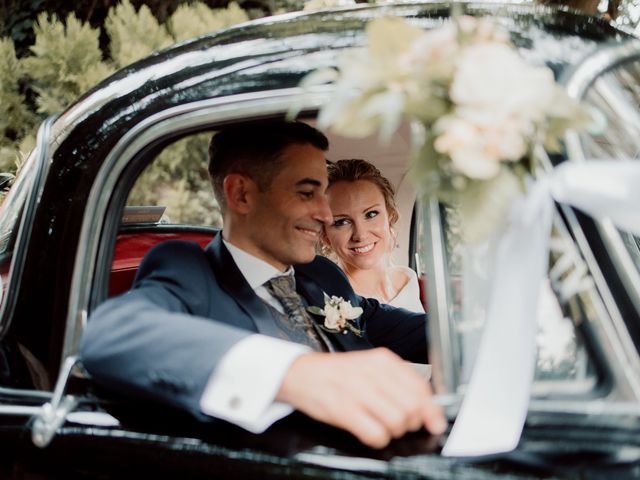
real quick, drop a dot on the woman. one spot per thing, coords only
(362, 236)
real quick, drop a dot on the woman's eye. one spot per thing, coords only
(371, 214)
(340, 222)
(306, 194)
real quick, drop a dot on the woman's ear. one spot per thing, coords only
(239, 192)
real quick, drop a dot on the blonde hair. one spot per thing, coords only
(352, 170)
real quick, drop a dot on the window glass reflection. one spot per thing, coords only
(563, 365)
(616, 95)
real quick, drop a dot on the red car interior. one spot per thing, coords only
(132, 246)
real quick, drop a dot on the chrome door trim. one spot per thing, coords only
(442, 347)
(41, 162)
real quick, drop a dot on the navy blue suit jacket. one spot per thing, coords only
(189, 306)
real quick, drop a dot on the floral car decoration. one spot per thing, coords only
(478, 109)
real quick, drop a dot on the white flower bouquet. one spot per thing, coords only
(478, 109)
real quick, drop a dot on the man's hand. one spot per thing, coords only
(373, 394)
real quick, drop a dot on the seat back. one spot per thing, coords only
(133, 244)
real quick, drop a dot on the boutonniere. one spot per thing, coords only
(337, 313)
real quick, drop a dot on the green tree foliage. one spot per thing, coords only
(178, 179)
(196, 19)
(134, 35)
(16, 121)
(67, 61)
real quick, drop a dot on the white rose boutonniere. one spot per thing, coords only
(338, 312)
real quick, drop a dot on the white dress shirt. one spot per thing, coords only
(243, 387)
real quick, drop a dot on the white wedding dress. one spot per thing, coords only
(409, 296)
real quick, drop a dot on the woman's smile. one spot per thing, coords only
(363, 250)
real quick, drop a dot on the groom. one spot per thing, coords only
(225, 332)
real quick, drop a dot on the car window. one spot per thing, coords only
(616, 95)
(178, 180)
(563, 365)
(11, 212)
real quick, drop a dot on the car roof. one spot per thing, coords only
(276, 52)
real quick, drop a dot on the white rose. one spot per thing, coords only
(467, 147)
(508, 143)
(332, 318)
(475, 163)
(493, 76)
(432, 47)
(349, 312)
(455, 133)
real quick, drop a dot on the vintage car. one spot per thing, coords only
(70, 238)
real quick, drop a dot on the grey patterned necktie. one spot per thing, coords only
(296, 324)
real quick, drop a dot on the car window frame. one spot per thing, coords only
(577, 82)
(127, 159)
(38, 163)
(26, 402)
(618, 384)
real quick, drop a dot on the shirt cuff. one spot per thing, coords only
(243, 387)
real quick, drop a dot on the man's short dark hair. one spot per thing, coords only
(254, 149)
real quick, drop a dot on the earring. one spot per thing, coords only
(394, 238)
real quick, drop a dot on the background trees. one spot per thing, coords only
(44, 69)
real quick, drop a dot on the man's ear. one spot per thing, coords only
(239, 192)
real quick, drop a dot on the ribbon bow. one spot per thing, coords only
(495, 405)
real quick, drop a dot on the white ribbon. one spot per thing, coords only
(495, 405)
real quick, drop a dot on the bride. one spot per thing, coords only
(361, 236)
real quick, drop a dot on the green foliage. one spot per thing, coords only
(192, 20)
(134, 35)
(178, 179)
(67, 61)
(15, 119)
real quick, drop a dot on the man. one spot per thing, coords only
(223, 333)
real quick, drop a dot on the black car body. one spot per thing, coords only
(60, 223)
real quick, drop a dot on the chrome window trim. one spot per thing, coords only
(614, 337)
(183, 117)
(41, 166)
(621, 357)
(442, 352)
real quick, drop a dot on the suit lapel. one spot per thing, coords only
(314, 295)
(235, 285)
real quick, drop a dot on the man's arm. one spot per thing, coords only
(373, 394)
(132, 346)
(155, 341)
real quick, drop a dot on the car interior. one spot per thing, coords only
(563, 364)
(143, 226)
